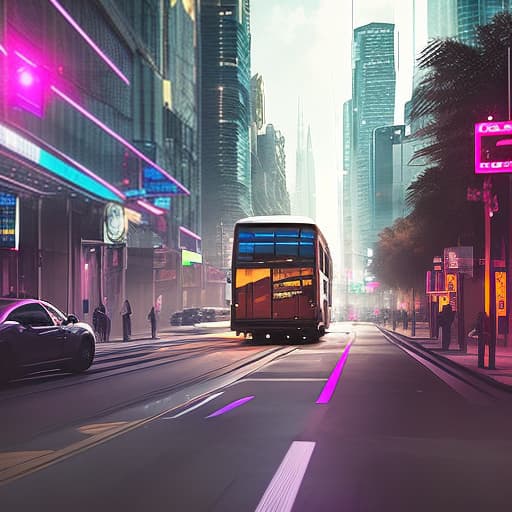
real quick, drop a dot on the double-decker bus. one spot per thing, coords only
(281, 279)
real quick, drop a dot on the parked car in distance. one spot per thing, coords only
(36, 336)
(215, 314)
(191, 316)
(176, 318)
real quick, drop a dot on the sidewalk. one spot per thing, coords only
(165, 333)
(501, 375)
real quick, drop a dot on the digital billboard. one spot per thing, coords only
(9, 221)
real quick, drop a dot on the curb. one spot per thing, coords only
(484, 378)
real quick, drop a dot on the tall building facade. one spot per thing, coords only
(441, 18)
(304, 199)
(225, 123)
(471, 13)
(84, 176)
(373, 96)
(270, 193)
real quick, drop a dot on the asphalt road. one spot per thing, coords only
(392, 434)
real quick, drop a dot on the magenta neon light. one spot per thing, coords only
(150, 208)
(492, 129)
(89, 41)
(232, 405)
(190, 233)
(25, 59)
(94, 176)
(328, 390)
(118, 137)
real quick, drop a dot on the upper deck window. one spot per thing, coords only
(275, 244)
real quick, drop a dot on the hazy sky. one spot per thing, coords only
(302, 48)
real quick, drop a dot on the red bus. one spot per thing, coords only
(281, 279)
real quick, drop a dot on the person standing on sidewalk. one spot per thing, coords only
(126, 312)
(445, 321)
(152, 319)
(482, 331)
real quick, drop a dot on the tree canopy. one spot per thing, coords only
(461, 85)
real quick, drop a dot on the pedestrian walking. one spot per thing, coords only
(126, 312)
(108, 321)
(445, 321)
(152, 317)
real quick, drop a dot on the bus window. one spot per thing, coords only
(292, 293)
(252, 293)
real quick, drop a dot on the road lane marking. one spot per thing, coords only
(282, 490)
(283, 379)
(229, 407)
(21, 470)
(99, 428)
(328, 390)
(194, 407)
(9, 459)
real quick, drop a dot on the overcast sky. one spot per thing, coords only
(302, 48)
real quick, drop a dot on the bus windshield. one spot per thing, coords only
(275, 244)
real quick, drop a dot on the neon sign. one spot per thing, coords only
(9, 219)
(493, 147)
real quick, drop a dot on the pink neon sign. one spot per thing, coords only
(493, 147)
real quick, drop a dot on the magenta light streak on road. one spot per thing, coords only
(190, 233)
(150, 208)
(328, 390)
(232, 405)
(3, 50)
(89, 41)
(118, 137)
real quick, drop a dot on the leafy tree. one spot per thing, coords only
(462, 85)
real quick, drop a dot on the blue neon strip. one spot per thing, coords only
(69, 173)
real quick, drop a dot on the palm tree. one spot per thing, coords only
(462, 85)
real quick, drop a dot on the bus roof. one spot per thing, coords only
(277, 219)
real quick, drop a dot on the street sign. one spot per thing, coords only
(493, 147)
(459, 259)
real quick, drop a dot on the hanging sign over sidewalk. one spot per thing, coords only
(459, 259)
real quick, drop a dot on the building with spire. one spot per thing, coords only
(225, 123)
(304, 202)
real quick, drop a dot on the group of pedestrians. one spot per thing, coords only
(102, 322)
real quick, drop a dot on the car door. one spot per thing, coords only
(39, 340)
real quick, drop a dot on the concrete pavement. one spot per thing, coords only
(502, 374)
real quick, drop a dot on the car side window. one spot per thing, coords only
(57, 317)
(31, 314)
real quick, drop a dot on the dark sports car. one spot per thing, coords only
(35, 336)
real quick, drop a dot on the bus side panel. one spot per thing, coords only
(293, 294)
(252, 293)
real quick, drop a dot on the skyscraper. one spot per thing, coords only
(225, 120)
(304, 202)
(471, 13)
(441, 18)
(373, 93)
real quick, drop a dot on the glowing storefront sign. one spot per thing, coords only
(188, 258)
(76, 174)
(493, 147)
(9, 221)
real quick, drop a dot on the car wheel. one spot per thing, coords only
(83, 358)
(6, 365)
